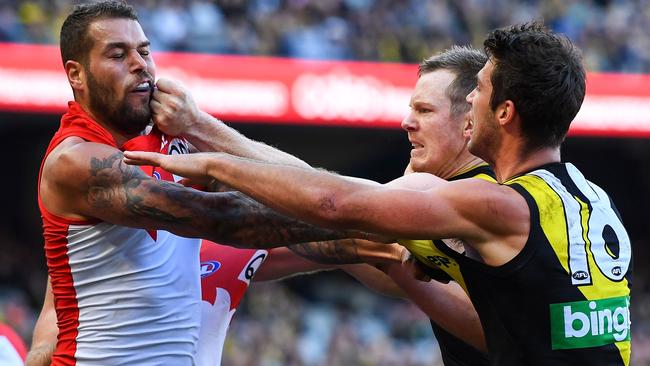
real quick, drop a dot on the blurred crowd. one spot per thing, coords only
(325, 320)
(612, 33)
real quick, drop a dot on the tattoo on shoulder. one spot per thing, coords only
(115, 183)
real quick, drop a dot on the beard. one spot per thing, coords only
(485, 140)
(119, 114)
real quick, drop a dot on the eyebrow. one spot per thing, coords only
(126, 45)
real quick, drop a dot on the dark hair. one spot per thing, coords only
(465, 62)
(74, 40)
(542, 73)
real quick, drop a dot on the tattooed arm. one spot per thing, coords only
(351, 251)
(83, 180)
(349, 255)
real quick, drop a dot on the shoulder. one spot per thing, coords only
(74, 158)
(416, 181)
(75, 169)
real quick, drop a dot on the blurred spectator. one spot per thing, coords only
(319, 321)
(12, 347)
(342, 324)
(612, 33)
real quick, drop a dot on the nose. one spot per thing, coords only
(409, 123)
(137, 62)
(470, 97)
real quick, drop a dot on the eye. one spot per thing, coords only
(144, 52)
(117, 55)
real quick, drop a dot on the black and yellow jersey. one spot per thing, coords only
(433, 254)
(564, 299)
(439, 265)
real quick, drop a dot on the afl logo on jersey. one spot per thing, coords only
(209, 267)
(157, 175)
(580, 275)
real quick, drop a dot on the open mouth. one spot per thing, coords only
(144, 87)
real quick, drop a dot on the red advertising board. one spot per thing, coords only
(293, 91)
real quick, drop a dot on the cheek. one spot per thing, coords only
(151, 68)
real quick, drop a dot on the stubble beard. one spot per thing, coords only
(484, 142)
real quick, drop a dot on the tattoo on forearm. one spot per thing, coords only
(329, 252)
(227, 217)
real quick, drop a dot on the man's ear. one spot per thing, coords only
(76, 75)
(467, 126)
(506, 112)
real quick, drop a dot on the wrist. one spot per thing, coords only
(200, 131)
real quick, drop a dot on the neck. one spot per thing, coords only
(509, 165)
(120, 138)
(462, 163)
(465, 164)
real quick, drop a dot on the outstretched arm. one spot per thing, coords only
(446, 304)
(89, 180)
(317, 256)
(176, 114)
(470, 209)
(45, 333)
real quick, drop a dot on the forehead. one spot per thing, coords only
(432, 87)
(104, 32)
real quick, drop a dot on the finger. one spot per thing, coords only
(155, 106)
(405, 255)
(170, 86)
(419, 273)
(128, 161)
(142, 158)
(161, 96)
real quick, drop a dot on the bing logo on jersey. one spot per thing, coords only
(209, 267)
(590, 323)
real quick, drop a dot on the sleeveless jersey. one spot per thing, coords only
(564, 299)
(12, 347)
(226, 273)
(440, 266)
(123, 296)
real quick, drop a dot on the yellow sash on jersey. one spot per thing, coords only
(427, 253)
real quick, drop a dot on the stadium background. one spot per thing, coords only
(327, 318)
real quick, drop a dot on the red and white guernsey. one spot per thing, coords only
(123, 296)
(225, 276)
(12, 347)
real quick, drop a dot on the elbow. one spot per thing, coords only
(335, 210)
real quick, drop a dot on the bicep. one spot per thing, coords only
(91, 181)
(405, 213)
(416, 181)
(461, 209)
